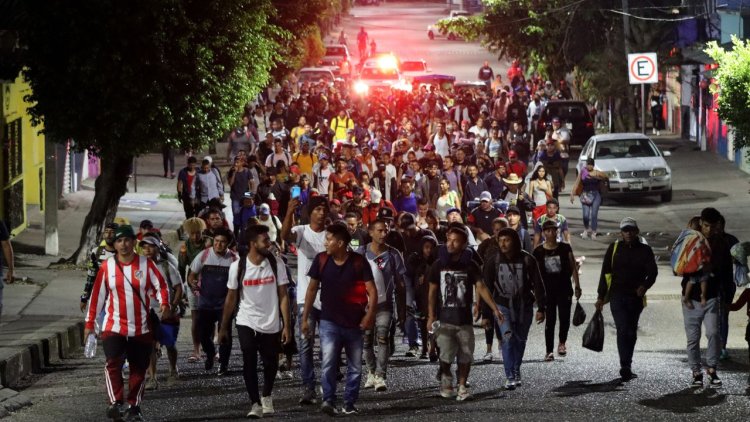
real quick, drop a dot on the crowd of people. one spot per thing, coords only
(425, 211)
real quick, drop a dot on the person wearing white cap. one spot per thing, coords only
(483, 215)
(633, 271)
(271, 221)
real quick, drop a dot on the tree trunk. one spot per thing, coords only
(110, 186)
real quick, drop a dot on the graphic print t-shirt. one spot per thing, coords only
(554, 265)
(456, 282)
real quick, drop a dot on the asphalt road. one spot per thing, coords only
(582, 386)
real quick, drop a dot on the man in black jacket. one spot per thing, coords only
(513, 278)
(632, 267)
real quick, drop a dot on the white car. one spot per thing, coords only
(412, 68)
(376, 78)
(315, 75)
(635, 166)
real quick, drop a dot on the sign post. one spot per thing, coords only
(642, 69)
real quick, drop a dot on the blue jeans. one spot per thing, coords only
(514, 348)
(626, 311)
(333, 338)
(306, 345)
(378, 363)
(591, 212)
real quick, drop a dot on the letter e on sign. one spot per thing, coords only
(642, 68)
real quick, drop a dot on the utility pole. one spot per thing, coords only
(51, 196)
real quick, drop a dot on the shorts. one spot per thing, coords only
(192, 299)
(456, 340)
(168, 334)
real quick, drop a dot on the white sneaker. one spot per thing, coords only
(463, 393)
(585, 235)
(658, 133)
(256, 412)
(487, 357)
(380, 383)
(370, 381)
(593, 235)
(289, 375)
(653, 131)
(267, 404)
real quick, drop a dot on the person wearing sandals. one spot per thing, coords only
(557, 266)
(591, 199)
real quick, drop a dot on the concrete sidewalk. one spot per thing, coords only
(42, 322)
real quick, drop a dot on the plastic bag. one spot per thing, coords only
(593, 337)
(579, 315)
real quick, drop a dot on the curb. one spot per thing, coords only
(47, 340)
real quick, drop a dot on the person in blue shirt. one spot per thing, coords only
(406, 201)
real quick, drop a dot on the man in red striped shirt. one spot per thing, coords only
(124, 287)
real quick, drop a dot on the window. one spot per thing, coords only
(625, 148)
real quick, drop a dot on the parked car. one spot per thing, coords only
(316, 74)
(337, 56)
(633, 163)
(433, 31)
(573, 114)
(413, 68)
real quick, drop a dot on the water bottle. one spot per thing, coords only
(90, 350)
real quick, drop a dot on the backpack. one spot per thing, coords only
(739, 254)
(689, 252)
(242, 266)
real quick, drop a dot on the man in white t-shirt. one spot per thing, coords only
(322, 171)
(263, 302)
(310, 241)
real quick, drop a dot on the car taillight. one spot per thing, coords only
(589, 124)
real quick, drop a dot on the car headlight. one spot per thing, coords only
(612, 174)
(361, 88)
(659, 172)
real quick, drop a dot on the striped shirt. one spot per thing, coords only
(124, 313)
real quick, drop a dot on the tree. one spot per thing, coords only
(557, 37)
(124, 77)
(733, 80)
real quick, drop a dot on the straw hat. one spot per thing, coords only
(513, 179)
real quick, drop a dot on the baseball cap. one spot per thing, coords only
(408, 221)
(499, 164)
(385, 213)
(357, 190)
(485, 196)
(428, 147)
(208, 157)
(375, 196)
(453, 210)
(150, 240)
(146, 224)
(555, 119)
(124, 231)
(264, 209)
(248, 195)
(628, 222)
(512, 154)
(112, 226)
(335, 201)
(549, 224)
(322, 156)
(513, 209)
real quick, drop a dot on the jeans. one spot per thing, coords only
(208, 320)
(333, 338)
(252, 344)
(727, 295)
(381, 333)
(306, 345)
(626, 311)
(514, 347)
(557, 304)
(591, 212)
(236, 207)
(709, 317)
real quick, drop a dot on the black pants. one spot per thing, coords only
(208, 320)
(557, 304)
(137, 350)
(626, 311)
(189, 207)
(490, 333)
(167, 157)
(253, 344)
